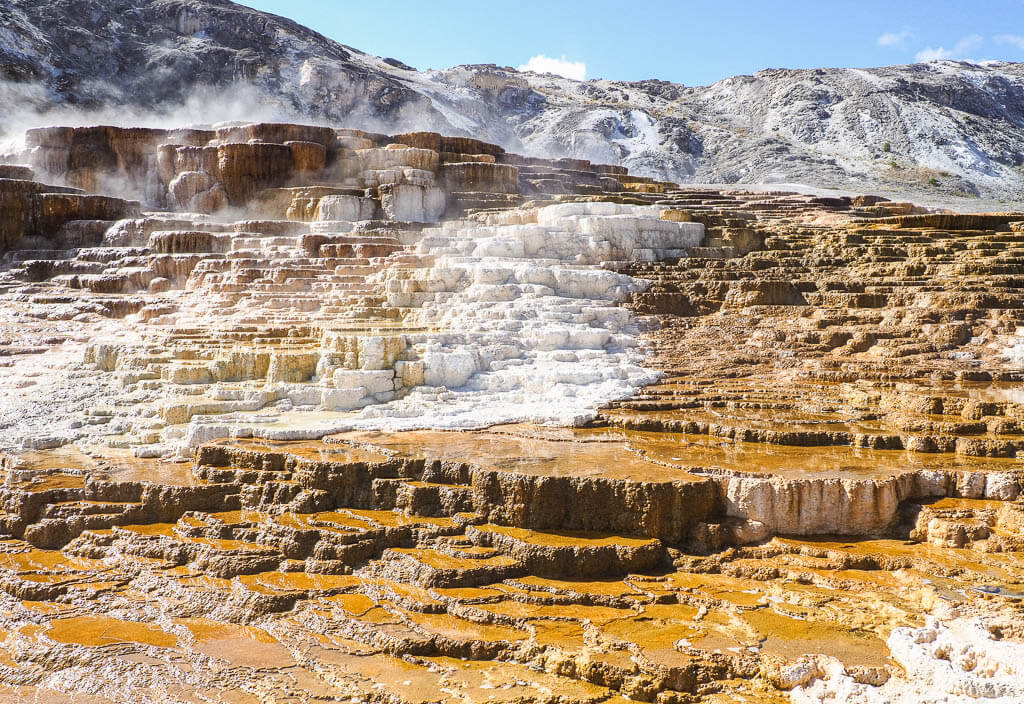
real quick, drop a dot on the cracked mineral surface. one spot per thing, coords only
(294, 413)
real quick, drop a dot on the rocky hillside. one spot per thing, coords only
(948, 129)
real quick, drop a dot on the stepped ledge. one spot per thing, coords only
(296, 413)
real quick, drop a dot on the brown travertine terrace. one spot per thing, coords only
(296, 413)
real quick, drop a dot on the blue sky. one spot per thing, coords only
(688, 42)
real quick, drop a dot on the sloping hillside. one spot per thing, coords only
(946, 128)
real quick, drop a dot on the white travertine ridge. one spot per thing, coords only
(527, 328)
(955, 661)
(503, 320)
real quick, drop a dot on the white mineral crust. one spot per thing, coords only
(954, 661)
(512, 319)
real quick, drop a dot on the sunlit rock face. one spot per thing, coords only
(287, 409)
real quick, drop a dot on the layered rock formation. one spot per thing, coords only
(324, 569)
(292, 409)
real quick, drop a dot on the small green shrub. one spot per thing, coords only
(933, 181)
(886, 147)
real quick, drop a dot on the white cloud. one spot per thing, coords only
(897, 39)
(576, 70)
(959, 50)
(1014, 40)
(937, 54)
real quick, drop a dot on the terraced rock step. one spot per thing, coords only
(454, 555)
(863, 336)
(294, 413)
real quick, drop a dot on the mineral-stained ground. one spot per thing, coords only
(294, 413)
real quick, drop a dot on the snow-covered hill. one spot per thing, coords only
(943, 128)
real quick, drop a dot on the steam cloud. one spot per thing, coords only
(27, 105)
